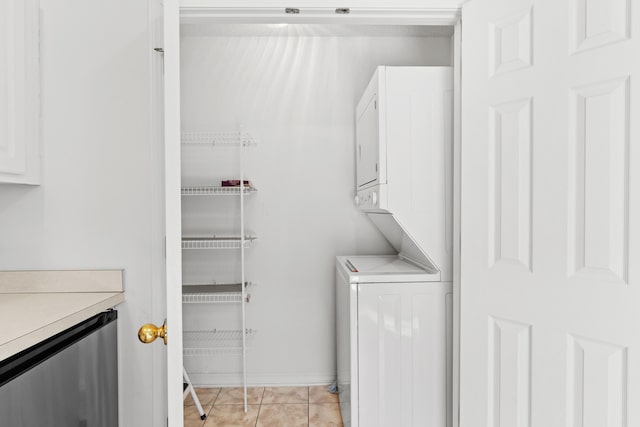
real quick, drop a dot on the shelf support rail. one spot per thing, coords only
(242, 144)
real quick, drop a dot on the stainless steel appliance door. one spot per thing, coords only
(69, 380)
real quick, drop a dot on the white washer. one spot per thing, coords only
(394, 343)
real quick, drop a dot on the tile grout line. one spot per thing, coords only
(213, 404)
(260, 406)
(308, 405)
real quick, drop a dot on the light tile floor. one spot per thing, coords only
(311, 406)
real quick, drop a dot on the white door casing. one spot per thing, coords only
(173, 221)
(159, 279)
(390, 12)
(549, 204)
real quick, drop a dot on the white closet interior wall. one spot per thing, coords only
(294, 89)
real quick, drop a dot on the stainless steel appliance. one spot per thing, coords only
(70, 379)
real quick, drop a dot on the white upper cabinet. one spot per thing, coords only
(19, 92)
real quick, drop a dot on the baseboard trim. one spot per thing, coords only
(259, 380)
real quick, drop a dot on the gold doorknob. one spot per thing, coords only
(149, 332)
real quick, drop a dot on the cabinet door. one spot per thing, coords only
(19, 92)
(403, 352)
(367, 143)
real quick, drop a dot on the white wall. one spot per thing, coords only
(95, 206)
(297, 97)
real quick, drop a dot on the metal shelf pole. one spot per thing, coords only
(242, 261)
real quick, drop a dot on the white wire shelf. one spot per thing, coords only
(214, 293)
(217, 138)
(205, 343)
(215, 191)
(216, 242)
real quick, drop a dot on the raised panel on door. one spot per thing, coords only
(550, 197)
(509, 379)
(598, 180)
(509, 189)
(597, 381)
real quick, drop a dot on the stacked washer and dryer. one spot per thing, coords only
(394, 313)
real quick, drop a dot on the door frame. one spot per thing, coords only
(174, 15)
(173, 214)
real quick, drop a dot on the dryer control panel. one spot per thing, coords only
(372, 199)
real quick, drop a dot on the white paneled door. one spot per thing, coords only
(550, 222)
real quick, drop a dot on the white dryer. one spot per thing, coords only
(394, 343)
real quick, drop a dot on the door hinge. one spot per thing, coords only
(375, 105)
(376, 167)
(164, 247)
(160, 50)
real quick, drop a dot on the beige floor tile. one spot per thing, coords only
(232, 415)
(319, 394)
(324, 415)
(286, 395)
(192, 418)
(286, 414)
(235, 396)
(206, 396)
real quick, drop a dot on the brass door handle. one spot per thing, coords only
(149, 332)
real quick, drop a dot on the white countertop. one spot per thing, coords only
(30, 314)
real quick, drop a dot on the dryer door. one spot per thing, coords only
(368, 137)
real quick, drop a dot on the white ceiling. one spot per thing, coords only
(313, 30)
